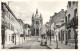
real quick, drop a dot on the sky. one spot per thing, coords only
(24, 10)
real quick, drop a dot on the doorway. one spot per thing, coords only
(37, 32)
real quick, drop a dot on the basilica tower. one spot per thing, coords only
(37, 23)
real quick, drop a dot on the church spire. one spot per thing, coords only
(40, 16)
(33, 16)
(36, 11)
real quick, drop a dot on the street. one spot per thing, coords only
(30, 44)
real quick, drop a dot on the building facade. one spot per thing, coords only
(10, 27)
(37, 23)
(62, 32)
(55, 23)
(72, 13)
(20, 31)
(27, 31)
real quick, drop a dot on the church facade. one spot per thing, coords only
(37, 23)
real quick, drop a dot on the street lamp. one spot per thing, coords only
(66, 37)
(15, 36)
(46, 31)
(56, 40)
(57, 30)
(3, 36)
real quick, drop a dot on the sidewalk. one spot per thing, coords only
(7, 46)
(60, 45)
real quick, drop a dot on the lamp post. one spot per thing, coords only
(66, 37)
(15, 36)
(46, 31)
(3, 36)
(50, 34)
(19, 35)
(75, 26)
(3, 27)
(57, 30)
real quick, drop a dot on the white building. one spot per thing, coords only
(10, 27)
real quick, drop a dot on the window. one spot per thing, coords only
(76, 17)
(69, 3)
(6, 37)
(69, 34)
(75, 12)
(68, 17)
(62, 20)
(37, 22)
(59, 37)
(63, 35)
(73, 2)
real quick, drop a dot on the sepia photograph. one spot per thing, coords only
(39, 24)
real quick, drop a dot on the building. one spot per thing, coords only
(55, 23)
(44, 29)
(71, 20)
(10, 27)
(27, 31)
(47, 25)
(21, 30)
(37, 23)
(62, 32)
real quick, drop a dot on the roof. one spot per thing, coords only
(9, 10)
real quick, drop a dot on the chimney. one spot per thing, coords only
(55, 13)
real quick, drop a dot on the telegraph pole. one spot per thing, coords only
(50, 32)
(3, 28)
